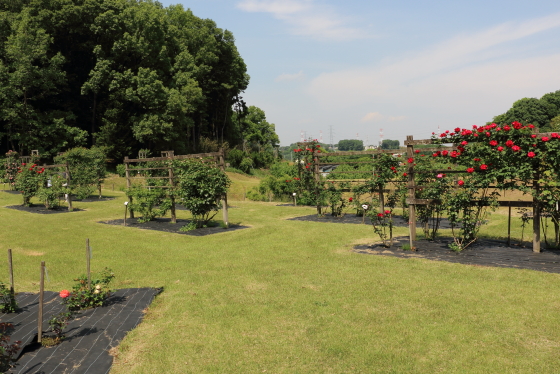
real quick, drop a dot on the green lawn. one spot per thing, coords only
(291, 296)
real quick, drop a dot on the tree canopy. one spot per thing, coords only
(538, 112)
(390, 144)
(350, 145)
(119, 74)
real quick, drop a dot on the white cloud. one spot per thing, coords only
(306, 18)
(478, 67)
(373, 116)
(290, 77)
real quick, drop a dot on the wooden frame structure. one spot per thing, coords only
(217, 157)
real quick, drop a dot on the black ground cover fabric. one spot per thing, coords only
(40, 209)
(93, 199)
(484, 252)
(164, 224)
(398, 221)
(89, 337)
(12, 192)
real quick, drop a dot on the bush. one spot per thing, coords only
(84, 297)
(200, 186)
(150, 203)
(87, 169)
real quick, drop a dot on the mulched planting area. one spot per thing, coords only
(12, 192)
(40, 209)
(89, 337)
(398, 221)
(93, 199)
(485, 252)
(164, 224)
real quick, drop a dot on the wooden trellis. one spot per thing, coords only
(412, 201)
(218, 158)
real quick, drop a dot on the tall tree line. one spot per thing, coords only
(121, 74)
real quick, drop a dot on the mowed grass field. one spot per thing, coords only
(291, 297)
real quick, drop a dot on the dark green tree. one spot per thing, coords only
(390, 144)
(538, 112)
(350, 145)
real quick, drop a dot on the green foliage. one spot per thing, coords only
(57, 323)
(8, 302)
(28, 181)
(538, 112)
(7, 349)
(84, 297)
(390, 144)
(121, 74)
(149, 202)
(350, 145)
(200, 187)
(11, 167)
(87, 169)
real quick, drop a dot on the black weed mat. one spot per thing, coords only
(12, 192)
(93, 199)
(485, 252)
(398, 221)
(164, 224)
(40, 209)
(89, 337)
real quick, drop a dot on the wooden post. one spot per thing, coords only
(41, 301)
(172, 194)
(128, 184)
(381, 199)
(88, 258)
(225, 215)
(411, 193)
(317, 178)
(509, 226)
(536, 216)
(11, 272)
(68, 181)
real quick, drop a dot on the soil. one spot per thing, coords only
(484, 252)
(398, 221)
(40, 209)
(164, 224)
(89, 337)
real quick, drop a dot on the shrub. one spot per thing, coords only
(7, 349)
(200, 187)
(7, 299)
(84, 297)
(29, 179)
(87, 170)
(150, 203)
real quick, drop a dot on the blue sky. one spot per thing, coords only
(406, 67)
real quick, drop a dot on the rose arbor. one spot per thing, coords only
(499, 157)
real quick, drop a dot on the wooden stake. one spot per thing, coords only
(125, 208)
(411, 193)
(509, 226)
(41, 299)
(172, 195)
(88, 258)
(68, 181)
(11, 272)
(536, 216)
(128, 184)
(225, 215)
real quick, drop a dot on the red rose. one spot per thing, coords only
(379, 214)
(445, 153)
(410, 160)
(23, 164)
(488, 134)
(470, 170)
(387, 212)
(545, 139)
(464, 142)
(500, 149)
(493, 143)
(531, 154)
(483, 167)
(475, 135)
(435, 155)
(533, 136)
(350, 199)
(554, 135)
(509, 143)
(404, 174)
(457, 129)
(64, 294)
(516, 125)
(516, 148)
(507, 128)
(480, 129)
(461, 182)
(318, 146)
(531, 126)
(476, 159)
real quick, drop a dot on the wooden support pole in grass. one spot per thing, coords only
(88, 258)
(41, 300)
(536, 216)
(317, 178)
(128, 185)
(222, 164)
(68, 181)
(11, 272)
(172, 193)
(411, 192)
(509, 226)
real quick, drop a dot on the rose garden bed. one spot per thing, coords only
(41, 209)
(484, 252)
(164, 224)
(89, 337)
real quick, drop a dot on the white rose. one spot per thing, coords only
(365, 207)
(96, 291)
(98, 287)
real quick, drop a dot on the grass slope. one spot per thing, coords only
(291, 297)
